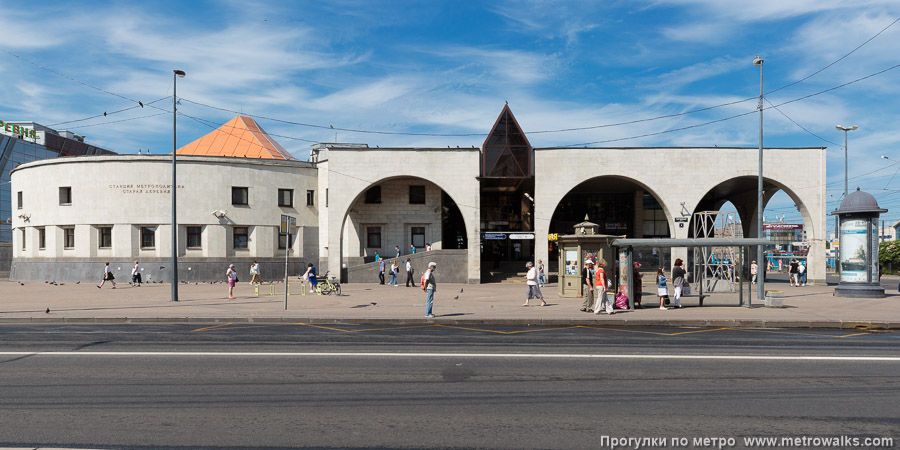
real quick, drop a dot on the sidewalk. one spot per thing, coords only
(491, 304)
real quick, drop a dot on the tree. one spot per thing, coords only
(889, 254)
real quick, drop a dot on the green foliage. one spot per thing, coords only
(889, 253)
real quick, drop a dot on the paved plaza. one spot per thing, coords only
(501, 304)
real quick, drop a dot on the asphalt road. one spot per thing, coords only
(273, 386)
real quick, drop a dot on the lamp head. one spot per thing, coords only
(757, 61)
(180, 73)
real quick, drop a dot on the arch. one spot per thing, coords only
(346, 214)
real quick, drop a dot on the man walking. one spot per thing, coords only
(430, 287)
(397, 250)
(412, 249)
(381, 273)
(409, 274)
(587, 285)
(794, 273)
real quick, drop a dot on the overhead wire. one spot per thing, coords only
(105, 114)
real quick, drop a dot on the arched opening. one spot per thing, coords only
(620, 206)
(786, 221)
(405, 215)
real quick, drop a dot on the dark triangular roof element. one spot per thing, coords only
(506, 153)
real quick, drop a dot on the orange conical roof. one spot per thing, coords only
(241, 137)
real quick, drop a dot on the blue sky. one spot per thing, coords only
(448, 67)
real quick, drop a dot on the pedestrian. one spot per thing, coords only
(311, 278)
(794, 272)
(397, 250)
(377, 256)
(587, 285)
(517, 249)
(661, 287)
(393, 274)
(678, 280)
(136, 275)
(231, 278)
(412, 249)
(107, 276)
(381, 273)
(409, 274)
(638, 285)
(541, 279)
(532, 290)
(754, 270)
(801, 274)
(254, 273)
(430, 287)
(427, 246)
(600, 284)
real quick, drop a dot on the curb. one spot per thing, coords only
(685, 323)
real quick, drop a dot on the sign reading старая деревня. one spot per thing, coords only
(17, 130)
(144, 188)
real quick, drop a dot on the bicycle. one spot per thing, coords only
(329, 284)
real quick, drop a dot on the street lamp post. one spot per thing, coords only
(175, 75)
(845, 130)
(760, 253)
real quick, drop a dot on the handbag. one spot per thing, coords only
(686, 289)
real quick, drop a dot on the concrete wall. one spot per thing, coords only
(347, 172)
(451, 267)
(676, 176)
(127, 192)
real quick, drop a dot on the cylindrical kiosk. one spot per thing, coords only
(858, 265)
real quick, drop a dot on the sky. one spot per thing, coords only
(435, 73)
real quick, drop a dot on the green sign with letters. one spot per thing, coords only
(15, 129)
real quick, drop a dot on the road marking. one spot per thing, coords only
(465, 355)
(799, 334)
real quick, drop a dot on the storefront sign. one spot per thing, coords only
(17, 130)
(553, 237)
(681, 219)
(783, 226)
(522, 236)
(494, 236)
(616, 226)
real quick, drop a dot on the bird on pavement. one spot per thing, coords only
(456, 298)
(77, 282)
(460, 290)
(47, 311)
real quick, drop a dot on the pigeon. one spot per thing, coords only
(460, 290)
(47, 311)
(141, 103)
(373, 303)
(21, 284)
(77, 282)
(456, 298)
(45, 281)
(61, 284)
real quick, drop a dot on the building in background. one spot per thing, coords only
(22, 142)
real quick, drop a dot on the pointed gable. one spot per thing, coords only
(240, 137)
(506, 153)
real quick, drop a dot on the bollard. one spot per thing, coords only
(774, 299)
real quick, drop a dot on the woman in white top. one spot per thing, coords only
(136, 275)
(107, 276)
(531, 281)
(231, 277)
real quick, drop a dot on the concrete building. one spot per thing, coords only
(484, 210)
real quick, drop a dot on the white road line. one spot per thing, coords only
(461, 355)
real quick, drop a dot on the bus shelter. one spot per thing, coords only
(624, 251)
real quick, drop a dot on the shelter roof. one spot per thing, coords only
(240, 137)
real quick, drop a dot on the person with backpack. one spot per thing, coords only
(531, 283)
(429, 285)
(380, 271)
(393, 274)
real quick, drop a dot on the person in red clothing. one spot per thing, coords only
(601, 303)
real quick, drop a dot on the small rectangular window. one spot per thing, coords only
(42, 238)
(283, 239)
(286, 197)
(373, 237)
(417, 236)
(19, 200)
(65, 195)
(240, 196)
(194, 237)
(69, 237)
(310, 198)
(417, 195)
(23, 239)
(148, 237)
(105, 237)
(373, 195)
(241, 238)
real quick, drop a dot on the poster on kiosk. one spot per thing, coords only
(854, 243)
